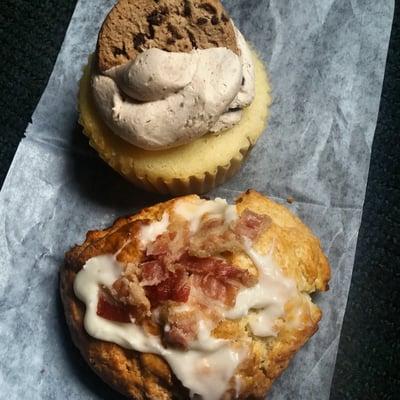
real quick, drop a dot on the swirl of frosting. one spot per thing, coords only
(162, 99)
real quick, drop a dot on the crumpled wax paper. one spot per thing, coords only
(326, 61)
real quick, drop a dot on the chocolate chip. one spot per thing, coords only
(187, 10)
(208, 7)
(155, 18)
(192, 39)
(224, 18)
(119, 52)
(152, 32)
(138, 40)
(214, 20)
(243, 81)
(171, 41)
(202, 21)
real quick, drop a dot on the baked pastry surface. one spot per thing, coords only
(140, 376)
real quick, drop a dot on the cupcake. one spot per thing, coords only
(174, 98)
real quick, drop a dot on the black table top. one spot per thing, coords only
(31, 33)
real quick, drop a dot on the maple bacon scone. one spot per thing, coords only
(174, 98)
(195, 297)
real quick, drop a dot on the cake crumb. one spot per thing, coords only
(290, 199)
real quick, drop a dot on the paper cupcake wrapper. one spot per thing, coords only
(182, 186)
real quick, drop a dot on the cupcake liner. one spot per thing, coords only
(193, 184)
(160, 171)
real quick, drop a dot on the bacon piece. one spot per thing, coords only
(216, 288)
(127, 290)
(174, 255)
(153, 273)
(216, 278)
(219, 269)
(180, 328)
(112, 311)
(169, 246)
(213, 237)
(160, 246)
(251, 224)
(175, 288)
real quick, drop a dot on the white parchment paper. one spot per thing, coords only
(326, 60)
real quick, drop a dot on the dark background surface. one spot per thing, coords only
(31, 33)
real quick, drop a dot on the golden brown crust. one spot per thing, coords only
(142, 376)
(171, 25)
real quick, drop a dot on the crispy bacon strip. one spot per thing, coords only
(218, 268)
(216, 289)
(153, 273)
(251, 225)
(169, 246)
(175, 287)
(112, 311)
(216, 278)
(176, 262)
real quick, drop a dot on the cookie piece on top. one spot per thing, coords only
(172, 25)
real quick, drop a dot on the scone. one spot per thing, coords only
(195, 297)
(174, 98)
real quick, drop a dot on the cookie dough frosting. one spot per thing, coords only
(164, 99)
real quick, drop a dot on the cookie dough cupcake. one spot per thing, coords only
(174, 98)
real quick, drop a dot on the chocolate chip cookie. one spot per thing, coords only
(172, 25)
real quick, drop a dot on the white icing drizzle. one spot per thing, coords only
(205, 369)
(193, 211)
(238, 385)
(149, 233)
(268, 297)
